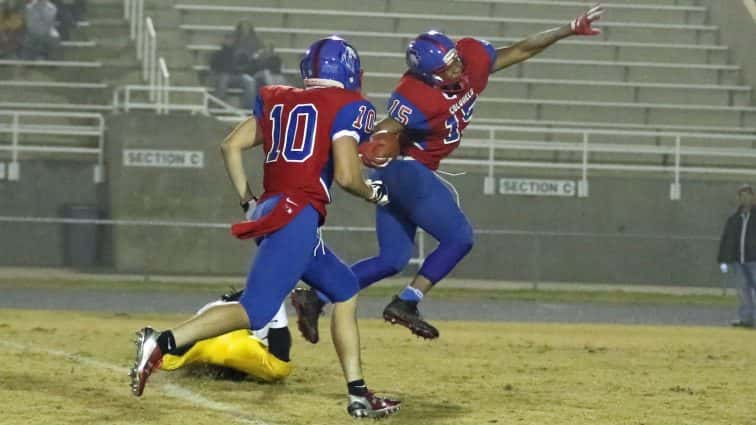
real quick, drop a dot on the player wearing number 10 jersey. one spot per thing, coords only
(309, 137)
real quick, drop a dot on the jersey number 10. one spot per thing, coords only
(291, 149)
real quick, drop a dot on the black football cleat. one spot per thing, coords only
(308, 308)
(372, 406)
(406, 313)
(234, 295)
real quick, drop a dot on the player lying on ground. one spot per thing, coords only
(262, 354)
(309, 137)
(431, 106)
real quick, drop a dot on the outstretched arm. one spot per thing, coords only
(531, 46)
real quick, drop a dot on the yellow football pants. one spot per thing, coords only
(238, 350)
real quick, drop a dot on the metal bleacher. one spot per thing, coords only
(657, 63)
(655, 78)
(53, 109)
(658, 66)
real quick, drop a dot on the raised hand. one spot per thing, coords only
(582, 24)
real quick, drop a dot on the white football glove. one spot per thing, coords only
(249, 208)
(380, 193)
(723, 267)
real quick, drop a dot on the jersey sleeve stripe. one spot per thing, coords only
(325, 189)
(344, 133)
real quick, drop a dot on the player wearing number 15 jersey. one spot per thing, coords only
(432, 104)
(309, 138)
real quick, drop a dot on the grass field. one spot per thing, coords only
(70, 368)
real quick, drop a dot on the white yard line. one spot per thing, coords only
(171, 390)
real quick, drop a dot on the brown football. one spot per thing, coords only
(382, 147)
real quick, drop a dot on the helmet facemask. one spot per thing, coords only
(451, 84)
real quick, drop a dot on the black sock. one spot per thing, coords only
(166, 342)
(357, 388)
(279, 343)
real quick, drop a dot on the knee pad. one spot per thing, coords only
(395, 261)
(464, 246)
(465, 240)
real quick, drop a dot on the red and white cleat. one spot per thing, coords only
(372, 406)
(148, 358)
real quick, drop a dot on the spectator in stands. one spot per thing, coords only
(737, 254)
(69, 13)
(65, 21)
(42, 38)
(11, 29)
(247, 47)
(77, 8)
(229, 72)
(270, 72)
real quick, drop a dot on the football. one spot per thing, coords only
(382, 147)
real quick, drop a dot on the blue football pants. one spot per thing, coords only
(418, 198)
(294, 252)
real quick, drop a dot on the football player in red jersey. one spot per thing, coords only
(431, 105)
(309, 137)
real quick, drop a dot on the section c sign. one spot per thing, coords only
(534, 187)
(163, 158)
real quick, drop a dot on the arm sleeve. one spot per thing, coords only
(478, 48)
(257, 108)
(724, 242)
(405, 112)
(490, 51)
(354, 119)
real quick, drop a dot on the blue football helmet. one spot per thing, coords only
(332, 58)
(429, 55)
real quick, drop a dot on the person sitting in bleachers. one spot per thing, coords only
(11, 29)
(236, 62)
(42, 39)
(270, 72)
(65, 22)
(76, 8)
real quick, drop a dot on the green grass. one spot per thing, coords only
(475, 374)
(385, 291)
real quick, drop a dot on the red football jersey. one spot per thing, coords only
(434, 120)
(298, 126)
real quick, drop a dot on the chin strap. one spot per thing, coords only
(321, 82)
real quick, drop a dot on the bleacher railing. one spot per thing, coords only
(503, 138)
(148, 53)
(18, 124)
(163, 87)
(154, 68)
(197, 99)
(600, 141)
(133, 12)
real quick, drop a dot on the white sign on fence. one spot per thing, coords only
(163, 158)
(534, 187)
